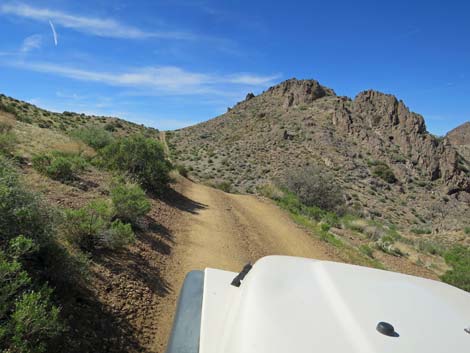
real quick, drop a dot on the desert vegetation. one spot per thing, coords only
(458, 257)
(43, 247)
(315, 201)
(79, 125)
(383, 171)
(61, 166)
(28, 316)
(96, 137)
(141, 157)
(315, 187)
(7, 138)
(129, 201)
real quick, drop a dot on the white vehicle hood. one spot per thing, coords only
(288, 304)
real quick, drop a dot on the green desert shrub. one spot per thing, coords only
(21, 212)
(291, 202)
(354, 223)
(314, 187)
(118, 235)
(24, 213)
(383, 171)
(92, 226)
(110, 127)
(421, 231)
(459, 259)
(225, 186)
(143, 158)
(7, 138)
(366, 250)
(271, 191)
(28, 318)
(94, 136)
(129, 201)
(85, 226)
(429, 246)
(316, 213)
(60, 166)
(34, 321)
(182, 170)
(9, 108)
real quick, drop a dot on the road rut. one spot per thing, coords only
(226, 231)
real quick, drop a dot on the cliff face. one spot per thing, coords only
(381, 122)
(301, 122)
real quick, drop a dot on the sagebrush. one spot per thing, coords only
(142, 158)
(129, 201)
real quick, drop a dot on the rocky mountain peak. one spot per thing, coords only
(382, 122)
(378, 109)
(294, 92)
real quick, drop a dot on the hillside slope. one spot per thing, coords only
(300, 122)
(67, 121)
(108, 297)
(460, 139)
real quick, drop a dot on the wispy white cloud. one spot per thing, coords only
(30, 43)
(162, 123)
(103, 27)
(72, 96)
(54, 33)
(252, 80)
(157, 80)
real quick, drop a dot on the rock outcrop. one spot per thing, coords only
(384, 122)
(249, 96)
(294, 92)
(460, 139)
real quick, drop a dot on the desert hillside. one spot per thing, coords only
(379, 152)
(99, 224)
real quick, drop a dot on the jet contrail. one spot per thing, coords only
(54, 33)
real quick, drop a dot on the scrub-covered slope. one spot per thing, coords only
(379, 152)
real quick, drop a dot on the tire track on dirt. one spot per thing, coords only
(226, 231)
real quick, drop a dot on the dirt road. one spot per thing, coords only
(226, 231)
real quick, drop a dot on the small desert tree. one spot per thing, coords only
(314, 187)
(142, 158)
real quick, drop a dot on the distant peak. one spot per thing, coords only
(297, 91)
(293, 83)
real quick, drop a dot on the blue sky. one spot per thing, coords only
(172, 63)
